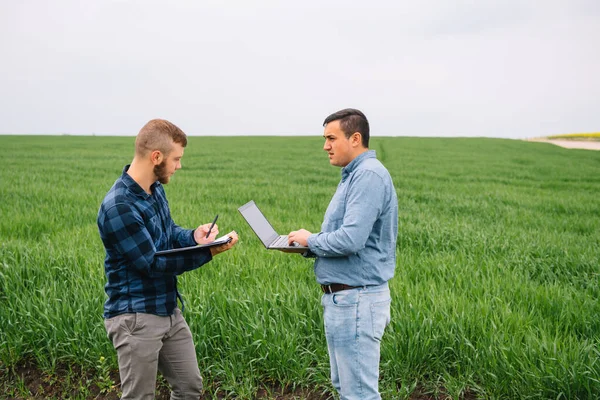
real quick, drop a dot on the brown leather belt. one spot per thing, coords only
(336, 287)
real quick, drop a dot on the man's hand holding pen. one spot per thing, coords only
(207, 233)
(204, 234)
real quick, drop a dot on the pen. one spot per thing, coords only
(212, 225)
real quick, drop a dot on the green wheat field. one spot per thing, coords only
(496, 292)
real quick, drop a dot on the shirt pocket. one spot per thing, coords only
(333, 217)
(156, 232)
(336, 209)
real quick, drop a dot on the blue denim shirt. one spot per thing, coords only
(357, 242)
(133, 226)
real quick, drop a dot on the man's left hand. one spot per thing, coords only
(300, 237)
(224, 247)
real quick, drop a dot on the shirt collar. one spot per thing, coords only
(348, 169)
(134, 186)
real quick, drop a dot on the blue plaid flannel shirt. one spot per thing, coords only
(133, 226)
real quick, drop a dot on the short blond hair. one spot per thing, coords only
(158, 134)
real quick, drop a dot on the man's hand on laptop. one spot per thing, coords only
(300, 237)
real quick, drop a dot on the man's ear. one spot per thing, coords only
(356, 139)
(156, 157)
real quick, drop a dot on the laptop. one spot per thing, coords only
(265, 232)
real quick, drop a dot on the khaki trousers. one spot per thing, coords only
(146, 343)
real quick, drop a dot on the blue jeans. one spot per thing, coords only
(354, 324)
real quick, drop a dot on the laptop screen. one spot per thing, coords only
(258, 223)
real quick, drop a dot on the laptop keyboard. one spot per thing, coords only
(282, 241)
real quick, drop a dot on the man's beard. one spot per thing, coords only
(161, 174)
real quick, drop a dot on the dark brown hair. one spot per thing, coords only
(351, 120)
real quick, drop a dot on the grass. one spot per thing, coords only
(495, 294)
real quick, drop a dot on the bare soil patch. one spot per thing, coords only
(36, 384)
(570, 144)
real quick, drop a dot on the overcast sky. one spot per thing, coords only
(497, 68)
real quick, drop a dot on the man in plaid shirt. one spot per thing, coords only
(141, 315)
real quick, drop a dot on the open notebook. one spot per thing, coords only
(217, 242)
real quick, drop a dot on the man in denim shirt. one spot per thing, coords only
(356, 256)
(141, 315)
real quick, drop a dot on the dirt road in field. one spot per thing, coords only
(570, 144)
